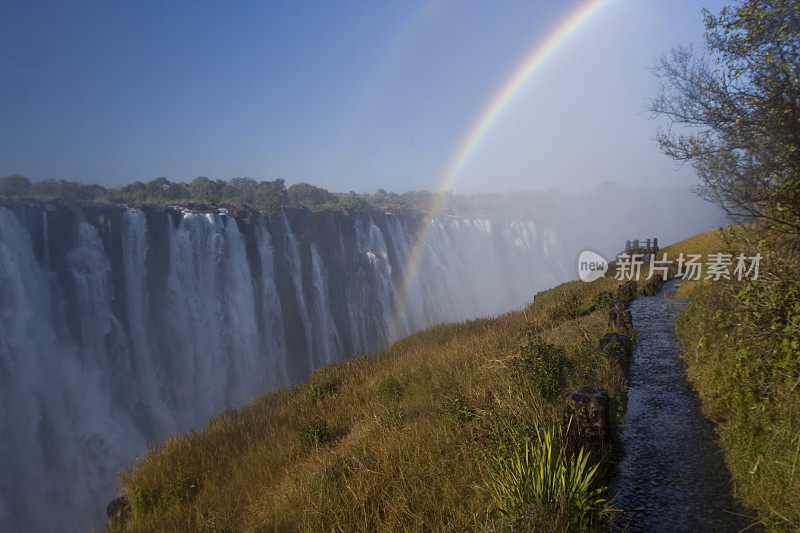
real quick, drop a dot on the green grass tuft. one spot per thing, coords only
(538, 485)
(314, 432)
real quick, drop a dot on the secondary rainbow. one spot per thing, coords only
(538, 56)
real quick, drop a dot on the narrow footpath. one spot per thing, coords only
(673, 475)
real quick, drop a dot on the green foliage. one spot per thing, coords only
(318, 390)
(604, 299)
(270, 196)
(539, 486)
(180, 489)
(573, 305)
(144, 500)
(306, 195)
(390, 390)
(202, 189)
(314, 432)
(457, 407)
(14, 184)
(541, 368)
(353, 202)
(742, 110)
(393, 415)
(742, 343)
(183, 488)
(134, 193)
(743, 337)
(239, 191)
(68, 192)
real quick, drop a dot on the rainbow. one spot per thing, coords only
(534, 61)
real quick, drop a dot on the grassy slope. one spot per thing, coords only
(704, 243)
(395, 439)
(742, 348)
(392, 440)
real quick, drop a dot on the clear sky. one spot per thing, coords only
(345, 95)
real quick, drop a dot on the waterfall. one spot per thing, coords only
(121, 326)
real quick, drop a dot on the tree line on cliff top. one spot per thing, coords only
(271, 196)
(266, 196)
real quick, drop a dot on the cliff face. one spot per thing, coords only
(120, 326)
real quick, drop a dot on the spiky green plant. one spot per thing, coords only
(540, 485)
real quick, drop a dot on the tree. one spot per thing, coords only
(136, 192)
(177, 191)
(14, 184)
(239, 190)
(68, 192)
(93, 191)
(353, 202)
(307, 195)
(736, 116)
(202, 189)
(270, 196)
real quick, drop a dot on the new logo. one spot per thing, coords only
(591, 266)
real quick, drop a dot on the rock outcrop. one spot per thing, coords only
(587, 419)
(617, 347)
(118, 510)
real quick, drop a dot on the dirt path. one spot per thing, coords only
(673, 476)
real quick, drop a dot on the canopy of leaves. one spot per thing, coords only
(266, 196)
(736, 117)
(14, 184)
(308, 195)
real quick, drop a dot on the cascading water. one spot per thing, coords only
(120, 326)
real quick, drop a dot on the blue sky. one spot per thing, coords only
(345, 95)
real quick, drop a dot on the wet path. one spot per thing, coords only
(673, 476)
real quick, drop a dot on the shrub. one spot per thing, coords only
(180, 489)
(307, 195)
(314, 432)
(541, 367)
(322, 389)
(457, 407)
(390, 390)
(353, 202)
(14, 184)
(742, 348)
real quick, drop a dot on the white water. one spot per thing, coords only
(96, 361)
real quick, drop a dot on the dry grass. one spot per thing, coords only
(390, 440)
(705, 243)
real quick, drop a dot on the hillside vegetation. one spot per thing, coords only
(455, 427)
(441, 430)
(742, 342)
